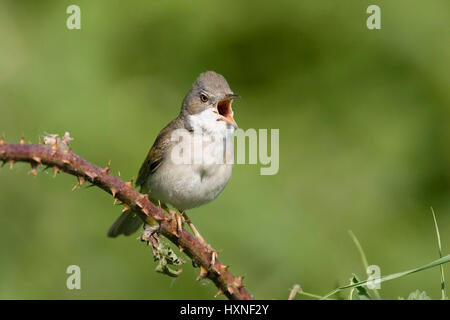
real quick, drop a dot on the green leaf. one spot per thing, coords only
(432, 264)
(165, 257)
(444, 294)
(362, 292)
(365, 263)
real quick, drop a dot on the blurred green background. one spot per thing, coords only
(364, 140)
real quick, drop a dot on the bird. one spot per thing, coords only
(207, 120)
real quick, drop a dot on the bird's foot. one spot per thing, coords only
(178, 221)
(199, 237)
(214, 255)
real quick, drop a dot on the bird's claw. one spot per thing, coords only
(177, 221)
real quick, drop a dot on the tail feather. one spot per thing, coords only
(126, 224)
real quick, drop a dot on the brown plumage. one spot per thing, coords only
(205, 112)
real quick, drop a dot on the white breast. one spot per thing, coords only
(186, 186)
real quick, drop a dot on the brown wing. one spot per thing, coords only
(157, 152)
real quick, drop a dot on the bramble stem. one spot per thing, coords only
(63, 159)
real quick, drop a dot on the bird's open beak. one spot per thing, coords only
(225, 111)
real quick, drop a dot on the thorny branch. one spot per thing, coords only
(57, 155)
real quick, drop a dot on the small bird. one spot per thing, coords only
(206, 119)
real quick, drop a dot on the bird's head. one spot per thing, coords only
(211, 96)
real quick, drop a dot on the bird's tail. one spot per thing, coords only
(127, 223)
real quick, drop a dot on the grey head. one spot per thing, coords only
(210, 90)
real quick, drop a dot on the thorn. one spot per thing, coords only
(80, 182)
(181, 248)
(159, 204)
(33, 170)
(125, 208)
(143, 196)
(118, 172)
(55, 170)
(129, 183)
(115, 201)
(238, 282)
(113, 192)
(22, 140)
(213, 259)
(218, 293)
(39, 140)
(2, 141)
(11, 164)
(107, 168)
(224, 267)
(37, 159)
(140, 204)
(64, 160)
(230, 290)
(91, 175)
(203, 273)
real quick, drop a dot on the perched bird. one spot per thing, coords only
(205, 120)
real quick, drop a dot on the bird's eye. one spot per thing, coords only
(204, 97)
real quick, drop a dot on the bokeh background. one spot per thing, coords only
(364, 140)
